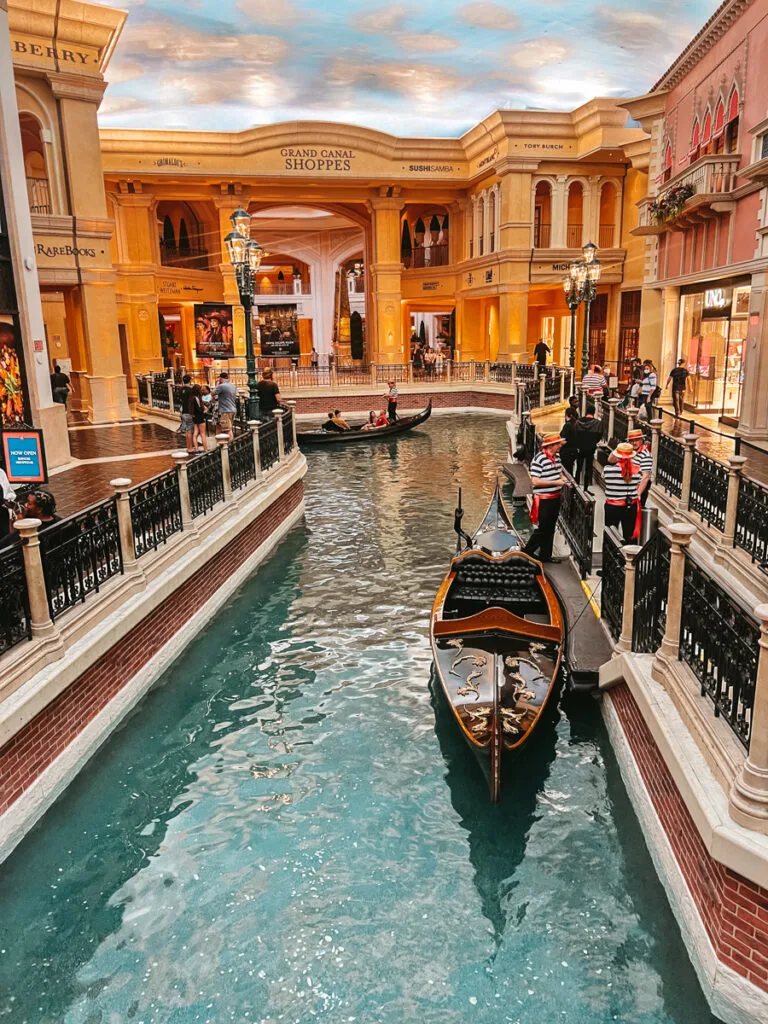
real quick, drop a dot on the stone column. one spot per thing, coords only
(386, 275)
(612, 403)
(735, 469)
(536, 371)
(655, 426)
(280, 442)
(187, 522)
(254, 428)
(449, 370)
(226, 476)
(680, 535)
(127, 544)
(542, 391)
(624, 643)
(39, 613)
(748, 799)
(514, 372)
(690, 446)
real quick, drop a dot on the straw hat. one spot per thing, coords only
(624, 451)
(549, 439)
(635, 435)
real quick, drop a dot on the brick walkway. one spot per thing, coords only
(135, 439)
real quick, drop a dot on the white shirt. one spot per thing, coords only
(8, 492)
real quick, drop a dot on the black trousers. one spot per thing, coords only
(392, 411)
(543, 536)
(585, 464)
(568, 458)
(622, 516)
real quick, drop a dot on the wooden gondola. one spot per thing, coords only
(310, 438)
(497, 639)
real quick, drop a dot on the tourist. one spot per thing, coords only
(587, 433)
(226, 396)
(331, 426)
(547, 481)
(339, 420)
(644, 459)
(187, 425)
(430, 358)
(199, 437)
(314, 359)
(649, 387)
(621, 480)
(678, 379)
(59, 386)
(418, 361)
(209, 406)
(392, 396)
(376, 418)
(540, 352)
(569, 451)
(39, 505)
(594, 383)
(573, 402)
(269, 393)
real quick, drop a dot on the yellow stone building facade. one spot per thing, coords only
(471, 236)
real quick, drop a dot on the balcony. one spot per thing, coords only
(427, 256)
(282, 288)
(541, 236)
(183, 257)
(574, 236)
(713, 181)
(606, 236)
(39, 194)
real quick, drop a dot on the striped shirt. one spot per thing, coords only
(644, 459)
(616, 487)
(392, 393)
(544, 468)
(650, 383)
(593, 382)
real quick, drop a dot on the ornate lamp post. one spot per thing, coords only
(245, 255)
(581, 286)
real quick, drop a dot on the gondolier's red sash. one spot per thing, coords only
(638, 514)
(535, 505)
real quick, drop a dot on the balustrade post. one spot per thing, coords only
(487, 371)
(170, 395)
(472, 370)
(125, 525)
(685, 490)
(334, 375)
(630, 552)
(536, 371)
(680, 535)
(211, 378)
(514, 373)
(373, 374)
(542, 390)
(148, 379)
(187, 522)
(612, 403)
(278, 414)
(253, 426)
(655, 426)
(449, 364)
(735, 469)
(748, 799)
(410, 372)
(583, 402)
(562, 385)
(226, 474)
(632, 413)
(598, 408)
(40, 621)
(292, 403)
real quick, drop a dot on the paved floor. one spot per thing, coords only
(81, 486)
(134, 439)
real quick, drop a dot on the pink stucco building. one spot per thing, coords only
(705, 219)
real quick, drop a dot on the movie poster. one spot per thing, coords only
(279, 331)
(214, 337)
(12, 405)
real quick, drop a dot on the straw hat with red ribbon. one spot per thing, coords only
(625, 453)
(635, 435)
(549, 439)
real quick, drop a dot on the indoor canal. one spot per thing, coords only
(289, 827)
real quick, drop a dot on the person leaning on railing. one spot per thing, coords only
(39, 505)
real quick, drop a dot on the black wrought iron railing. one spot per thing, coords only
(669, 466)
(142, 389)
(502, 373)
(242, 463)
(577, 522)
(177, 389)
(206, 483)
(269, 450)
(14, 600)
(160, 398)
(347, 374)
(651, 586)
(531, 390)
(719, 641)
(620, 424)
(612, 592)
(709, 490)
(80, 554)
(288, 432)
(526, 371)
(528, 439)
(398, 372)
(752, 521)
(552, 390)
(155, 512)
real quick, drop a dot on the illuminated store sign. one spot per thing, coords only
(717, 302)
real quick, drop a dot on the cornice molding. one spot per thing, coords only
(720, 22)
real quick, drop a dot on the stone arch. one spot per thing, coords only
(542, 205)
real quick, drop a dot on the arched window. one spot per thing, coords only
(666, 173)
(607, 232)
(34, 164)
(719, 128)
(732, 123)
(492, 222)
(574, 239)
(406, 246)
(481, 225)
(706, 133)
(695, 141)
(542, 215)
(184, 247)
(169, 236)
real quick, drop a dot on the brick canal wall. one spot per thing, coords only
(42, 740)
(732, 910)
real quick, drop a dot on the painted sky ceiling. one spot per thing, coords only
(432, 68)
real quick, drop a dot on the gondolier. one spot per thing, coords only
(392, 396)
(644, 459)
(621, 480)
(547, 481)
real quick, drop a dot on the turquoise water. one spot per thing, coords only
(289, 829)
